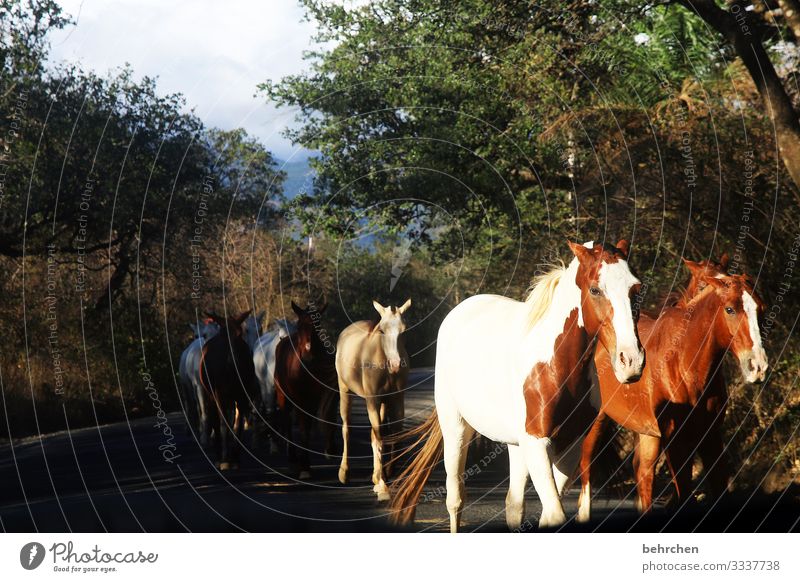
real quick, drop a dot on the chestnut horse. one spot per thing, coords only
(679, 403)
(228, 375)
(305, 385)
(516, 372)
(372, 362)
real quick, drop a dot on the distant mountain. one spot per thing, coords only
(299, 177)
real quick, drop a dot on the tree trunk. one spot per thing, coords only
(742, 32)
(116, 279)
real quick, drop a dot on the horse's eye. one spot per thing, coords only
(729, 310)
(595, 291)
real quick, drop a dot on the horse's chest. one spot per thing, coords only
(556, 398)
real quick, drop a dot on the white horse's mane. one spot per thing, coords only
(541, 292)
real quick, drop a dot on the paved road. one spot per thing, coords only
(115, 478)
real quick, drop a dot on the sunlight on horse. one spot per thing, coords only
(372, 362)
(679, 404)
(524, 383)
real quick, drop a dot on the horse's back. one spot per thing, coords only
(227, 367)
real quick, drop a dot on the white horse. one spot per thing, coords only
(372, 362)
(264, 361)
(515, 372)
(194, 395)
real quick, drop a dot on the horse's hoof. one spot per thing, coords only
(553, 520)
(382, 491)
(304, 474)
(343, 476)
(273, 448)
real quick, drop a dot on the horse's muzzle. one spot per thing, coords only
(754, 366)
(629, 365)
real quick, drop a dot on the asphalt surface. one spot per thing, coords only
(116, 478)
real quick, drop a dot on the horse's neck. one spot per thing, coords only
(562, 322)
(703, 356)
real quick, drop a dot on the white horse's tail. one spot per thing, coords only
(406, 489)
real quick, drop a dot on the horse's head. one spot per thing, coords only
(390, 327)
(607, 286)
(232, 326)
(252, 329)
(306, 338)
(736, 322)
(205, 329)
(284, 327)
(701, 269)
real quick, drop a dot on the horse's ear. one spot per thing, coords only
(724, 261)
(402, 309)
(580, 251)
(624, 246)
(714, 282)
(322, 309)
(218, 319)
(696, 269)
(260, 318)
(297, 310)
(195, 328)
(378, 307)
(239, 319)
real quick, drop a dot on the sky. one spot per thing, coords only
(214, 53)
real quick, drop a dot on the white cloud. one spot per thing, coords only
(215, 53)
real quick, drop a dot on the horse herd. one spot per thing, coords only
(516, 372)
(285, 380)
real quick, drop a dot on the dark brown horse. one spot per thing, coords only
(679, 403)
(305, 385)
(228, 375)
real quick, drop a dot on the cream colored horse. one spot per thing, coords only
(372, 362)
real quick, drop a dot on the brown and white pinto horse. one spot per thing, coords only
(515, 372)
(679, 404)
(305, 386)
(228, 375)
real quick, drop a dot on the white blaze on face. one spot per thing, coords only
(615, 281)
(391, 327)
(759, 358)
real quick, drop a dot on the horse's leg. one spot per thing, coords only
(680, 455)
(329, 420)
(226, 428)
(456, 436)
(205, 421)
(587, 453)
(394, 425)
(304, 424)
(344, 411)
(645, 457)
(374, 406)
(540, 465)
(518, 479)
(238, 429)
(716, 466)
(565, 466)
